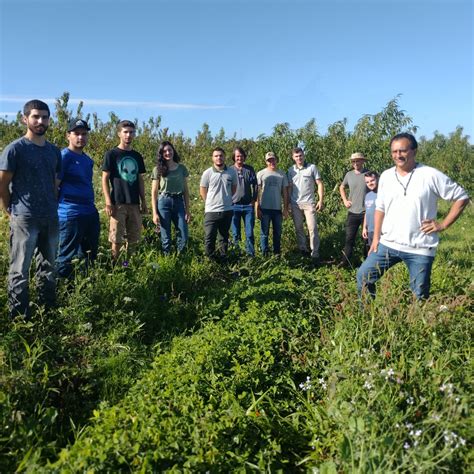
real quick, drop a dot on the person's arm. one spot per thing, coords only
(155, 185)
(187, 210)
(428, 226)
(320, 204)
(378, 220)
(258, 209)
(365, 234)
(285, 201)
(254, 188)
(109, 207)
(5, 196)
(141, 189)
(203, 193)
(342, 192)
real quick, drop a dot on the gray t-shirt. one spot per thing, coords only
(271, 183)
(303, 183)
(33, 185)
(357, 190)
(219, 188)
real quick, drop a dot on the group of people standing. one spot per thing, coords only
(236, 195)
(49, 197)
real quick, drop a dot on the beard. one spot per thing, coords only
(39, 130)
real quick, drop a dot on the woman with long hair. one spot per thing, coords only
(170, 197)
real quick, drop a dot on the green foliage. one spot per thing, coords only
(180, 364)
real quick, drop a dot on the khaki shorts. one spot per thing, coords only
(125, 224)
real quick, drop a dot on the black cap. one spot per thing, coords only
(77, 123)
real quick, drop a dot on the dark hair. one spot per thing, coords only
(125, 123)
(218, 148)
(240, 150)
(297, 149)
(35, 104)
(371, 174)
(161, 163)
(408, 136)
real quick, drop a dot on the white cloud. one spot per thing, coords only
(123, 103)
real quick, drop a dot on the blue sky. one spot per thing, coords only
(243, 65)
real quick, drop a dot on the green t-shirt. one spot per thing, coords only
(173, 182)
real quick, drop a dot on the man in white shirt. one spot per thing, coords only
(406, 229)
(303, 179)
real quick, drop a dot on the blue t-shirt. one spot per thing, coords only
(76, 193)
(33, 185)
(370, 198)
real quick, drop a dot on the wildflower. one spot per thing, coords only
(399, 380)
(87, 326)
(322, 383)
(408, 425)
(307, 385)
(406, 445)
(368, 385)
(387, 373)
(447, 388)
(125, 263)
(127, 299)
(388, 354)
(154, 265)
(443, 308)
(436, 417)
(410, 400)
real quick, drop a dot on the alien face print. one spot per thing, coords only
(128, 169)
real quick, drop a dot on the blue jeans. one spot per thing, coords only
(274, 217)
(247, 213)
(377, 263)
(32, 237)
(78, 238)
(171, 210)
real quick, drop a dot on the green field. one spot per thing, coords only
(180, 364)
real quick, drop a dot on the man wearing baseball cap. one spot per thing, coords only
(354, 179)
(79, 224)
(273, 188)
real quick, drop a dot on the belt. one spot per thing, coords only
(172, 195)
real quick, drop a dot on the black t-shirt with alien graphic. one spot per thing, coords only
(124, 166)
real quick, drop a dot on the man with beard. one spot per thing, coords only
(28, 193)
(218, 184)
(79, 223)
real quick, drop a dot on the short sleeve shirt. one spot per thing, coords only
(33, 185)
(173, 182)
(219, 188)
(370, 198)
(303, 183)
(124, 167)
(357, 190)
(271, 183)
(76, 192)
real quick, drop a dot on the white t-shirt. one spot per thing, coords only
(407, 201)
